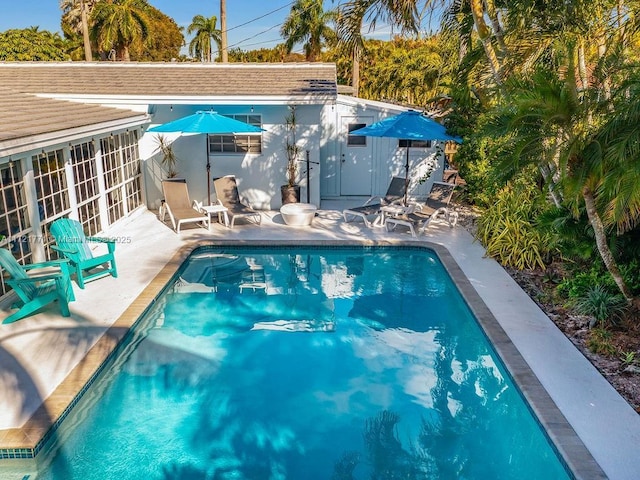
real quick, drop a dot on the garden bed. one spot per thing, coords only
(615, 352)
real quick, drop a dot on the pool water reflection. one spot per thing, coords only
(340, 363)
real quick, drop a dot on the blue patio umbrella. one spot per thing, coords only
(208, 122)
(409, 125)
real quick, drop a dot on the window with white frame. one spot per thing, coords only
(15, 228)
(51, 184)
(414, 143)
(52, 192)
(122, 175)
(356, 140)
(241, 143)
(83, 159)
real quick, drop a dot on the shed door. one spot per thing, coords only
(356, 159)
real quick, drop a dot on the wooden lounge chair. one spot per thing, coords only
(73, 244)
(179, 207)
(227, 195)
(418, 216)
(36, 290)
(394, 195)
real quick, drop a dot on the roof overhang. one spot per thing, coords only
(128, 100)
(33, 142)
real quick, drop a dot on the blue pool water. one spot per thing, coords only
(329, 364)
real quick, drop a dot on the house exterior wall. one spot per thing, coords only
(259, 176)
(387, 158)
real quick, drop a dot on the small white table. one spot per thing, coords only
(220, 210)
(298, 214)
(389, 210)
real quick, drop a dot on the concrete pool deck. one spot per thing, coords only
(44, 364)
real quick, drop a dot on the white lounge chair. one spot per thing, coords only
(394, 195)
(417, 216)
(179, 207)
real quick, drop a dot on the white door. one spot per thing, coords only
(356, 157)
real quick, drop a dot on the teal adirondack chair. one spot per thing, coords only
(73, 244)
(37, 290)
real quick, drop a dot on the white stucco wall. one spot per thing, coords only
(388, 159)
(259, 176)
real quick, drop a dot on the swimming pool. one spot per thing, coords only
(283, 363)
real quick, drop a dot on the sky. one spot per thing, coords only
(251, 24)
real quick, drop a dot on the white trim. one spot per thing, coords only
(177, 65)
(113, 99)
(358, 102)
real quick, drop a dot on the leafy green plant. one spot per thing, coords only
(628, 358)
(631, 273)
(291, 147)
(599, 342)
(601, 304)
(507, 228)
(169, 157)
(580, 280)
(572, 237)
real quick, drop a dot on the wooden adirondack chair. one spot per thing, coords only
(73, 244)
(37, 290)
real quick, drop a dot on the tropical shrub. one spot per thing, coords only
(578, 282)
(571, 236)
(507, 228)
(600, 342)
(601, 304)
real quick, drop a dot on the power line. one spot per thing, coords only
(254, 36)
(261, 16)
(268, 29)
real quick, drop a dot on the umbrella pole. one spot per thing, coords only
(208, 173)
(406, 177)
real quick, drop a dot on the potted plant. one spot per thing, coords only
(169, 157)
(291, 191)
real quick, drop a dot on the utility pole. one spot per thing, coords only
(85, 32)
(223, 28)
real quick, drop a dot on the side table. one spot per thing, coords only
(220, 210)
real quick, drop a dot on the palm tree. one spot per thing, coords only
(351, 17)
(206, 31)
(120, 25)
(308, 22)
(76, 13)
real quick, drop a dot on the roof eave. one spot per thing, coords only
(315, 99)
(16, 146)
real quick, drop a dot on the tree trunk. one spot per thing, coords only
(223, 31)
(85, 32)
(125, 54)
(582, 66)
(603, 247)
(495, 24)
(602, 51)
(547, 174)
(355, 72)
(477, 10)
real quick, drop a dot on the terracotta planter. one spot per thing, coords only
(290, 194)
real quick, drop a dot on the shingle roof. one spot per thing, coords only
(26, 112)
(174, 79)
(23, 115)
